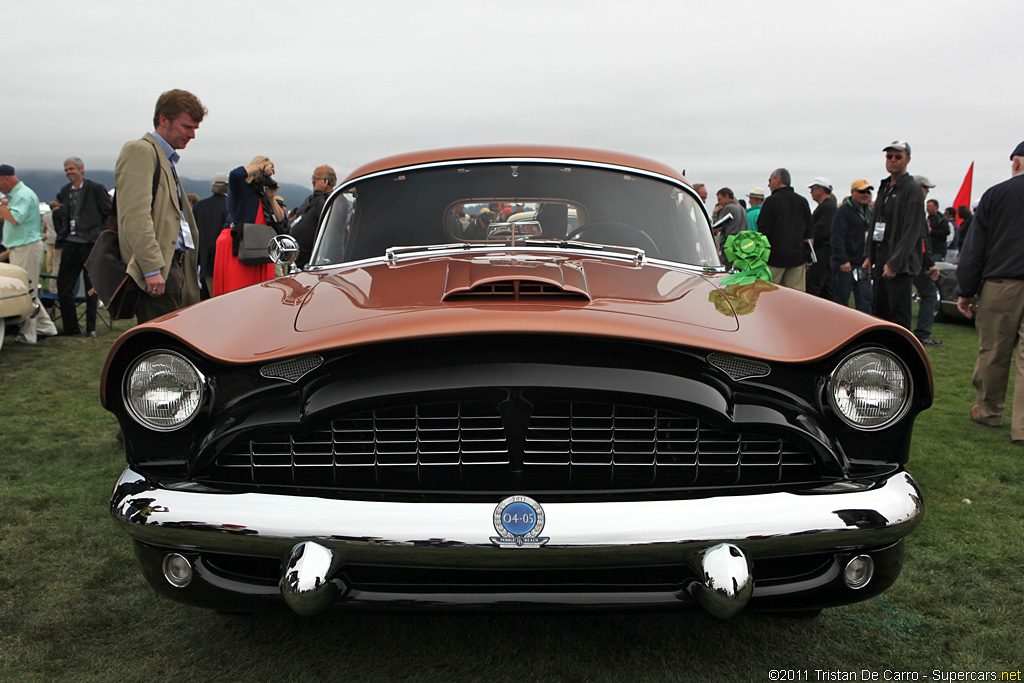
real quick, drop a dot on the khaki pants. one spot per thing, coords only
(795, 277)
(53, 265)
(29, 257)
(1000, 327)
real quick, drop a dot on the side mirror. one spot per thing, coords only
(283, 249)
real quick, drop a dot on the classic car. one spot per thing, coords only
(946, 310)
(16, 304)
(527, 415)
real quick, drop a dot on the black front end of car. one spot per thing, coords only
(370, 475)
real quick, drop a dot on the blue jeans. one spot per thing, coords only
(929, 300)
(856, 282)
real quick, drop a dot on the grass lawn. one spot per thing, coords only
(74, 607)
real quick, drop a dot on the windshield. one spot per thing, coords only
(491, 203)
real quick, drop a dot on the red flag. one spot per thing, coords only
(963, 197)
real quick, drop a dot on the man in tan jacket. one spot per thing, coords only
(158, 234)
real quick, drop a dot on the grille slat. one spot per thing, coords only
(464, 445)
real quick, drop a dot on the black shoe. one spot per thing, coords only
(69, 333)
(1018, 442)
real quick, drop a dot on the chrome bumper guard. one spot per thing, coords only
(717, 536)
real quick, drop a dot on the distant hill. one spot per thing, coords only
(47, 183)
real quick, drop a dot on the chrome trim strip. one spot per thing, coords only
(592, 534)
(457, 249)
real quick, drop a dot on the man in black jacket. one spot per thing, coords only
(850, 226)
(819, 274)
(211, 216)
(308, 214)
(897, 237)
(785, 219)
(938, 230)
(87, 207)
(993, 255)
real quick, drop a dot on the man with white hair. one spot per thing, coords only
(87, 208)
(993, 256)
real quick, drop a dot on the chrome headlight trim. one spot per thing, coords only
(179, 374)
(893, 376)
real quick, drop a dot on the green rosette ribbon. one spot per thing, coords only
(748, 252)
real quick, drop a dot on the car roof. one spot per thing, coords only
(515, 152)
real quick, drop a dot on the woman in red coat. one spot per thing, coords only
(251, 191)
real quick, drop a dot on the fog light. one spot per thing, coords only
(177, 570)
(859, 571)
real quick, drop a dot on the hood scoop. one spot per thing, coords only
(514, 280)
(515, 290)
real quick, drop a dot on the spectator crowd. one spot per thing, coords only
(868, 251)
(871, 251)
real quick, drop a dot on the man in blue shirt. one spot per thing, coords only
(157, 230)
(23, 236)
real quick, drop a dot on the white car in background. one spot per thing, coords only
(15, 303)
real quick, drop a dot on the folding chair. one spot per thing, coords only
(49, 299)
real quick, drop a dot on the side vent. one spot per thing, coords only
(292, 370)
(739, 368)
(516, 290)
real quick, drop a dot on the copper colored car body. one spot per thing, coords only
(449, 407)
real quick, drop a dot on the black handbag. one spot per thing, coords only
(109, 275)
(253, 243)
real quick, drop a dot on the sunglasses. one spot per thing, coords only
(863, 191)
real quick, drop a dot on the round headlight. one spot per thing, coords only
(870, 389)
(163, 390)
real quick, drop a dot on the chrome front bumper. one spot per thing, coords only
(458, 535)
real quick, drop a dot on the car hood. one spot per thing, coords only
(443, 296)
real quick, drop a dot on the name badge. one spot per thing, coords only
(879, 234)
(186, 235)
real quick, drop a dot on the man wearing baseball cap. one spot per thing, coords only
(850, 227)
(819, 274)
(897, 235)
(23, 236)
(993, 256)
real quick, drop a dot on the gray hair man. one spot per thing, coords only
(785, 219)
(87, 209)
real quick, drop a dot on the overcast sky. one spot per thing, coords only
(726, 90)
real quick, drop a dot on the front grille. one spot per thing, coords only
(483, 446)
